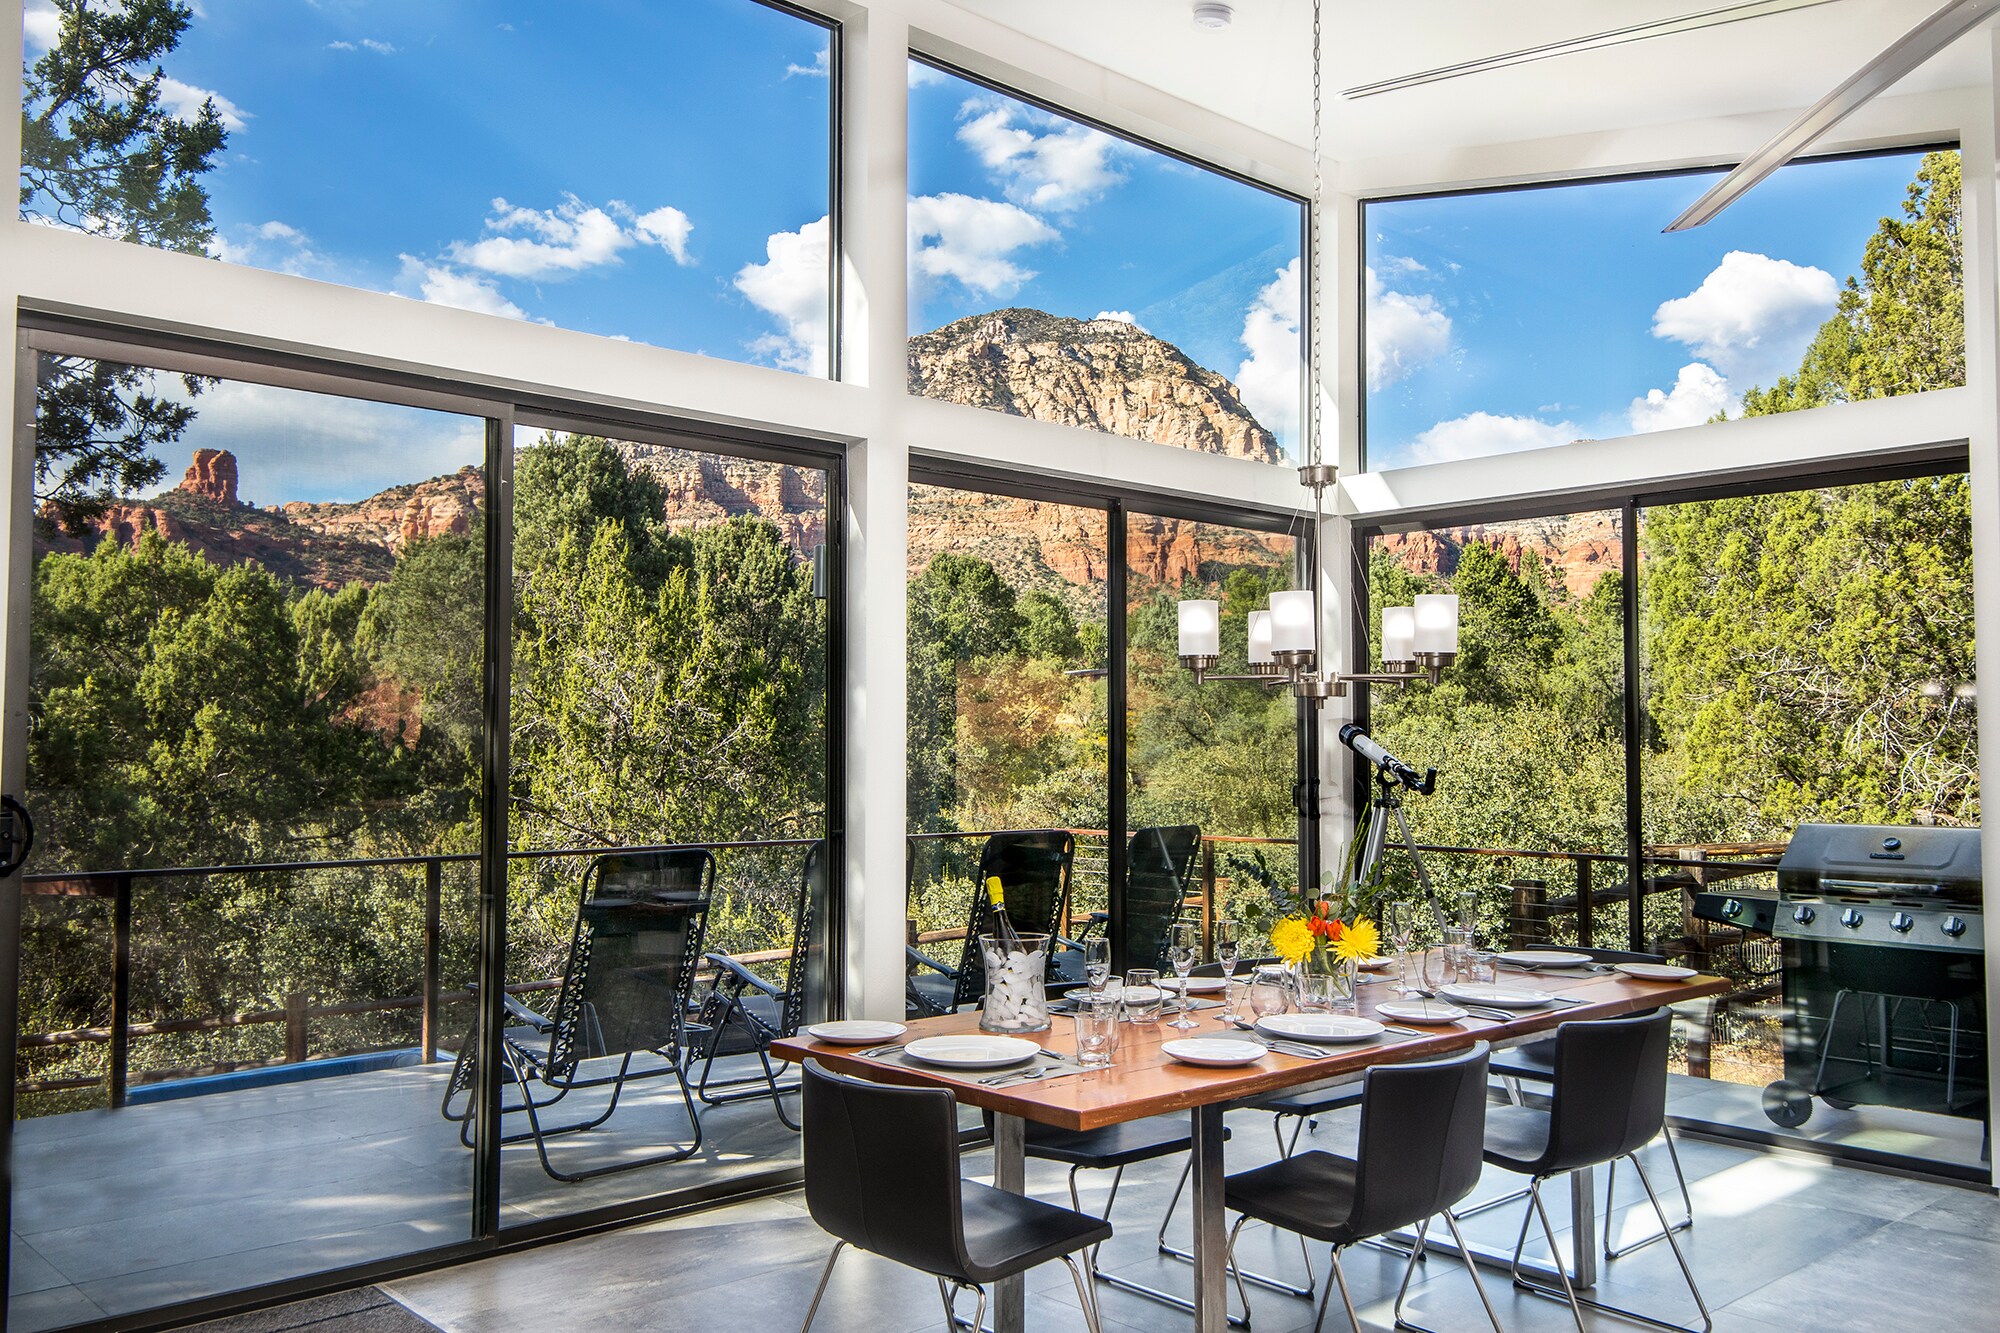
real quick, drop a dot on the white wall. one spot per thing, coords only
(880, 425)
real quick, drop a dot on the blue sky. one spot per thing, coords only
(1526, 318)
(1012, 206)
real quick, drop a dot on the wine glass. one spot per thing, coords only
(1186, 945)
(1096, 962)
(1399, 923)
(1227, 946)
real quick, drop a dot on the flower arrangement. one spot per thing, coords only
(1319, 934)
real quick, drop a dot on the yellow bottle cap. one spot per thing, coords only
(993, 892)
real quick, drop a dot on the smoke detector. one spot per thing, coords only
(1208, 14)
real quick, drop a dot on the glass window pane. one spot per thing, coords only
(1528, 318)
(1006, 702)
(270, 658)
(396, 148)
(1218, 758)
(1527, 730)
(669, 695)
(1066, 274)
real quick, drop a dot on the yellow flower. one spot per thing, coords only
(1292, 939)
(1360, 940)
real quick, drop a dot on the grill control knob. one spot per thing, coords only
(1902, 923)
(1851, 918)
(1953, 926)
(1732, 908)
(1804, 915)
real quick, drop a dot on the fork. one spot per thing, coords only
(877, 1052)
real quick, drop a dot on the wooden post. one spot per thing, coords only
(296, 1004)
(1583, 903)
(1207, 899)
(1528, 914)
(121, 988)
(433, 923)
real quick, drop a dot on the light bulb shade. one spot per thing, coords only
(1399, 634)
(1437, 623)
(1260, 638)
(1292, 622)
(1201, 628)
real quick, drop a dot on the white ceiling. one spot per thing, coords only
(1258, 71)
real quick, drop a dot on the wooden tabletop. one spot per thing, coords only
(1145, 1081)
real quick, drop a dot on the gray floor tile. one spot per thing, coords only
(54, 1307)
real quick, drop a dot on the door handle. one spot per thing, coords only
(17, 835)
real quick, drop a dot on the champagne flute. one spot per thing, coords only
(1399, 920)
(1227, 947)
(1096, 963)
(1186, 945)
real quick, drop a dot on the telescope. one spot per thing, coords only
(1389, 769)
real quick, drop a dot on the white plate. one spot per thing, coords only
(857, 1031)
(1216, 1051)
(1501, 997)
(1657, 971)
(1319, 1027)
(1377, 963)
(1418, 1011)
(1544, 958)
(971, 1052)
(1197, 985)
(1109, 992)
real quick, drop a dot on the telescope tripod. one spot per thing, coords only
(1385, 803)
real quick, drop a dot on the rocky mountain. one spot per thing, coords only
(205, 513)
(1580, 548)
(402, 514)
(705, 488)
(1103, 374)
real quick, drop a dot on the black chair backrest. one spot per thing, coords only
(1423, 1127)
(632, 960)
(882, 1168)
(1610, 1093)
(1033, 868)
(805, 974)
(1157, 865)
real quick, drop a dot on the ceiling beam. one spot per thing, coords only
(1916, 46)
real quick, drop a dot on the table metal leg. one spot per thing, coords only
(1211, 1242)
(1010, 1174)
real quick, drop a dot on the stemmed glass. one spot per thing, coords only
(1227, 947)
(1399, 922)
(1096, 963)
(1186, 945)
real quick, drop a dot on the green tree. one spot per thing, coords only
(101, 152)
(960, 611)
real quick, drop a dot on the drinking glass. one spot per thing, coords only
(1399, 923)
(1457, 953)
(1232, 1000)
(1227, 946)
(1269, 991)
(1097, 963)
(1181, 953)
(1096, 1030)
(1143, 996)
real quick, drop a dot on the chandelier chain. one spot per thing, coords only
(1313, 259)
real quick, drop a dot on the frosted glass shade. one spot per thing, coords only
(1201, 628)
(1437, 623)
(1292, 622)
(1399, 634)
(1260, 638)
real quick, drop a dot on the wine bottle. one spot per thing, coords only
(1004, 933)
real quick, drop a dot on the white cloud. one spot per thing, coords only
(1752, 316)
(1122, 316)
(379, 48)
(1480, 434)
(821, 67)
(791, 287)
(441, 284)
(340, 46)
(537, 243)
(970, 240)
(1062, 168)
(271, 245)
(668, 228)
(41, 26)
(1404, 332)
(925, 76)
(1269, 378)
(1698, 394)
(183, 101)
(1399, 266)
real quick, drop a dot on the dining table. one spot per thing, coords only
(1144, 1080)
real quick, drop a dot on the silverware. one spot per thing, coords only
(1013, 1076)
(877, 1052)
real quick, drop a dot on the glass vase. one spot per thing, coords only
(1017, 997)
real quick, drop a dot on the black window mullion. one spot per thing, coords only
(1117, 563)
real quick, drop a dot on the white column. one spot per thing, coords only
(1982, 377)
(874, 166)
(1340, 325)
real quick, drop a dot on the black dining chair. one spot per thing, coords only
(1535, 1062)
(1033, 867)
(1608, 1100)
(882, 1174)
(1420, 1137)
(745, 1013)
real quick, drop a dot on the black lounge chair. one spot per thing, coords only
(743, 1012)
(1033, 866)
(626, 990)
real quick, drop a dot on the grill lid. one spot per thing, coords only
(1938, 865)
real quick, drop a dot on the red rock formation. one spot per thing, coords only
(212, 475)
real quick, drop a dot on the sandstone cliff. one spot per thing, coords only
(1577, 548)
(1103, 374)
(400, 515)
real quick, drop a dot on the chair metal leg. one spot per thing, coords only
(1187, 1256)
(1085, 1293)
(1465, 1257)
(1611, 1203)
(1568, 1292)
(1346, 1296)
(1126, 1283)
(948, 1293)
(820, 1290)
